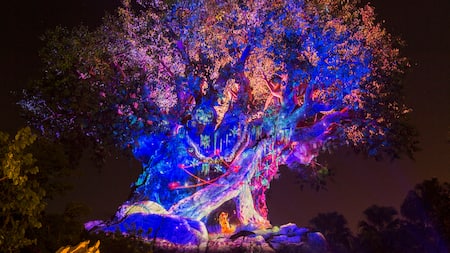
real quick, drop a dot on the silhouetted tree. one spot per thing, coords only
(423, 226)
(335, 229)
(427, 213)
(377, 233)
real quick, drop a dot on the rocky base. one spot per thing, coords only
(166, 232)
(288, 239)
(195, 238)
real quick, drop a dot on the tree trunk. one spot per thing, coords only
(233, 186)
(245, 209)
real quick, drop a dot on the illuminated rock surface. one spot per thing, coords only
(176, 234)
(291, 238)
(171, 228)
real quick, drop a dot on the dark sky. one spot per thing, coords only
(359, 183)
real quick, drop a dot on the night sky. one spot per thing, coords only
(359, 182)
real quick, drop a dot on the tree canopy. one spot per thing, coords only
(148, 69)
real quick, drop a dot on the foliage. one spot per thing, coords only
(21, 201)
(99, 83)
(61, 83)
(213, 96)
(33, 170)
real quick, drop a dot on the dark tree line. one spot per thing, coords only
(422, 224)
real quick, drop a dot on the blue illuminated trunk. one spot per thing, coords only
(191, 177)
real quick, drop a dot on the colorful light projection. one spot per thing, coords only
(299, 84)
(213, 96)
(292, 90)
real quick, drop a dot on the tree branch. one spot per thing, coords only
(310, 108)
(245, 54)
(275, 92)
(166, 68)
(323, 126)
(183, 52)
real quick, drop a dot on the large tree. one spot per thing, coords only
(213, 96)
